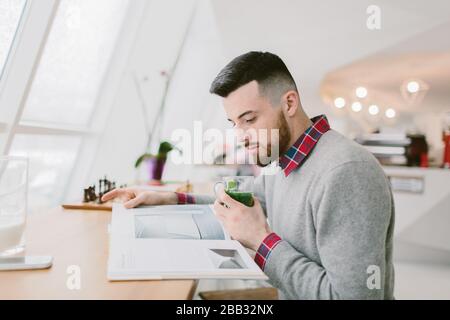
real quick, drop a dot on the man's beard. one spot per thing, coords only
(284, 137)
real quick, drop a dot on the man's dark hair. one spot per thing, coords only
(267, 69)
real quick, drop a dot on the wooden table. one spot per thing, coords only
(79, 238)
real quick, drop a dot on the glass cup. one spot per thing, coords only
(13, 204)
(240, 188)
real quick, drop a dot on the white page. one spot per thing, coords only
(200, 224)
(133, 257)
(191, 259)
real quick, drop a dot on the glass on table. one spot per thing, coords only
(13, 204)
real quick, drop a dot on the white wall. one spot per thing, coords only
(158, 40)
(189, 99)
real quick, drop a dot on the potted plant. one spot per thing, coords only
(156, 162)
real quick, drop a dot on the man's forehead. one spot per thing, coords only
(244, 99)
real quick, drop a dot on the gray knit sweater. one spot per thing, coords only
(335, 215)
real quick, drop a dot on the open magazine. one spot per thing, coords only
(174, 242)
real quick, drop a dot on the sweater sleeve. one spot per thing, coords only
(190, 198)
(352, 209)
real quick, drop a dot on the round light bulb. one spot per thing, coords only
(339, 102)
(374, 110)
(390, 113)
(413, 87)
(361, 92)
(356, 106)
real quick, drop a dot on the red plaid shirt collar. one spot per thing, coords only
(298, 152)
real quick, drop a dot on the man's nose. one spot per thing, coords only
(242, 136)
(239, 133)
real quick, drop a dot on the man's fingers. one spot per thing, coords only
(226, 199)
(134, 202)
(113, 194)
(219, 209)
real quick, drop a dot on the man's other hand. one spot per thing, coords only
(133, 197)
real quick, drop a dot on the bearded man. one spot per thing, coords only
(322, 227)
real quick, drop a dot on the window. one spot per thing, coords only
(10, 14)
(55, 123)
(74, 61)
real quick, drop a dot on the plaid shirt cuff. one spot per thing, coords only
(265, 249)
(185, 198)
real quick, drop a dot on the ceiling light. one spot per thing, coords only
(390, 113)
(339, 102)
(361, 92)
(413, 87)
(356, 106)
(374, 110)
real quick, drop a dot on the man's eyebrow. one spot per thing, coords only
(245, 113)
(242, 115)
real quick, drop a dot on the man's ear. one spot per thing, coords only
(291, 103)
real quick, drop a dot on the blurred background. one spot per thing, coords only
(87, 87)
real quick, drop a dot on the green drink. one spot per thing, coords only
(245, 198)
(240, 189)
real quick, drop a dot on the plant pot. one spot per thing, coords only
(156, 169)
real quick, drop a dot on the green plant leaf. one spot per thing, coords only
(166, 147)
(143, 157)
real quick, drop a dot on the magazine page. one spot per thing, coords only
(175, 242)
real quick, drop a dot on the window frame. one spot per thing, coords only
(19, 71)
(26, 52)
(10, 54)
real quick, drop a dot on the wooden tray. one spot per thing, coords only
(107, 206)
